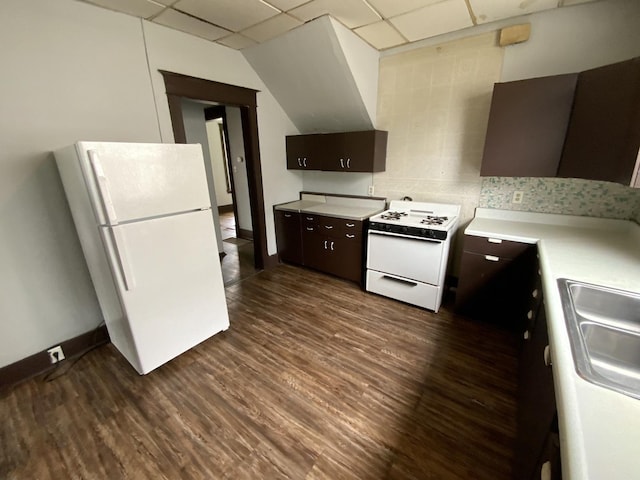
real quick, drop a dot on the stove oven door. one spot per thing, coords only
(409, 257)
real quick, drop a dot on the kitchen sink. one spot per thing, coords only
(604, 330)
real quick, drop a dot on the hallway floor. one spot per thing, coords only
(238, 262)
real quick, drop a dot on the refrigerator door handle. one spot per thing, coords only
(123, 259)
(103, 187)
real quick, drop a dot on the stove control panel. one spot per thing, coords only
(427, 233)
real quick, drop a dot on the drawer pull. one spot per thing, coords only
(526, 335)
(342, 163)
(325, 244)
(309, 229)
(530, 314)
(400, 280)
(331, 246)
(310, 218)
(494, 240)
(287, 215)
(348, 163)
(350, 225)
(348, 235)
(328, 227)
(491, 258)
(299, 162)
(304, 162)
(545, 471)
(534, 294)
(547, 356)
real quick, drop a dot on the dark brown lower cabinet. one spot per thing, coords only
(288, 236)
(495, 280)
(537, 445)
(328, 244)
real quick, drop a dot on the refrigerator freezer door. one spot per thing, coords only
(170, 284)
(129, 181)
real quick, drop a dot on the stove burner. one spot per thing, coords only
(433, 220)
(393, 215)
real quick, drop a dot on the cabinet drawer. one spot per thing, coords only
(339, 226)
(494, 246)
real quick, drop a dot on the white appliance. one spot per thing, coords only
(408, 249)
(143, 216)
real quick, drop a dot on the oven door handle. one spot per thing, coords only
(401, 280)
(407, 237)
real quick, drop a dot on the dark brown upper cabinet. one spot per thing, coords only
(364, 151)
(527, 125)
(604, 130)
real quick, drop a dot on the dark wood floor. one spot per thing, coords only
(315, 379)
(238, 262)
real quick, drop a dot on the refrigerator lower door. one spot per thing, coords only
(170, 285)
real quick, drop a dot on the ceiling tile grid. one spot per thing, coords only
(381, 23)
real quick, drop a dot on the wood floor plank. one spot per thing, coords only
(315, 379)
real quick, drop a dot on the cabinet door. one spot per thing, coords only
(303, 152)
(317, 253)
(536, 401)
(527, 125)
(288, 236)
(604, 130)
(357, 151)
(347, 252)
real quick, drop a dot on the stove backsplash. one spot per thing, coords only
(569, 196)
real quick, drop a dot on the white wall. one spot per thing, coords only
(196, 132)
(218, 162)
(239, 168)
(72, 71)
(576, 38)
(178, 52)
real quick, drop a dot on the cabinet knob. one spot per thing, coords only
(535, 293)
(547, 356)
(526, 335)
(530, 314)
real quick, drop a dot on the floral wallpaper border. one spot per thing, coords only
(568, 196)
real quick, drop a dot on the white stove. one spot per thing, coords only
(408, 249)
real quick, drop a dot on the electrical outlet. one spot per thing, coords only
(517, 197)
(371, 189)
(56, 354)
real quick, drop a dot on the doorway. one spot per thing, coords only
(179, 87)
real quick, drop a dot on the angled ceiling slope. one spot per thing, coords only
(322, 74)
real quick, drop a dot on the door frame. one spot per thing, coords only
(212, 113)
(179, 86)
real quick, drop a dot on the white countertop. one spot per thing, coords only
(349, 208)
(599, 428)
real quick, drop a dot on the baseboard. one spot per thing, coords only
(225, 208)
(271, 261)
(39, 362)
(245, 234)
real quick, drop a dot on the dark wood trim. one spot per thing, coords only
(272, 261)
(184, 86)
(245, 234)
(39, 362)
(200, 89)
(225, 208)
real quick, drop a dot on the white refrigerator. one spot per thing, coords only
(143, 216)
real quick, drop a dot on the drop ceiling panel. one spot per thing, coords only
(237, 41)
(138, 8)
(381, 35)
(185, 23)
(392, 8)
(352, 13)
(271, 28)
(436, 19)
(491, 10)
(233, 15)
(285, 5)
